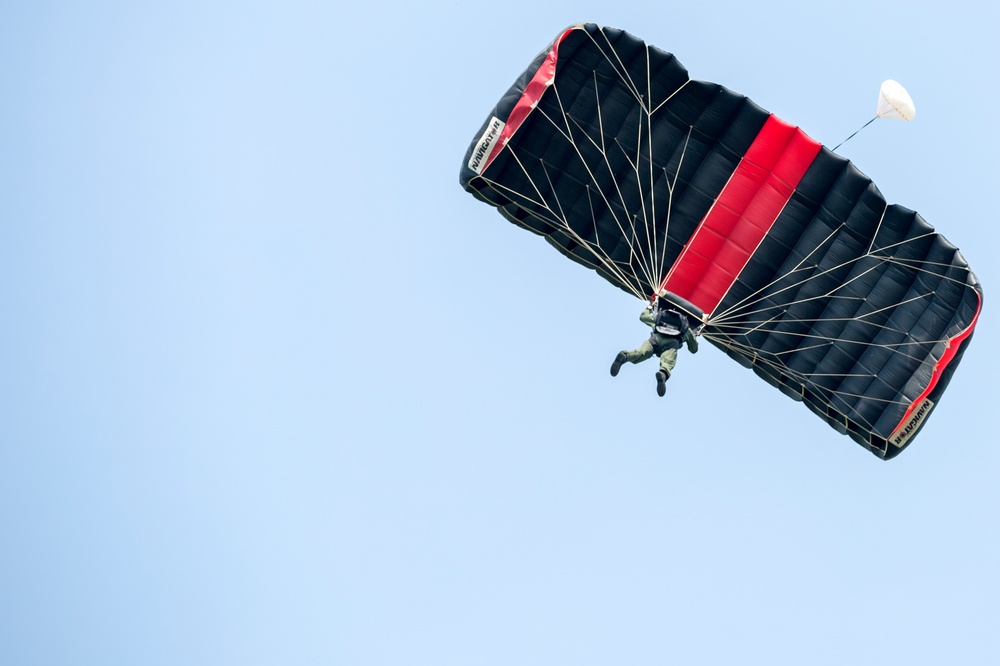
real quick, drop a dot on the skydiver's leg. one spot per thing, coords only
(667, 361)
(644, 351)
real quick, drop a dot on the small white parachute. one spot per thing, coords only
(895, 102)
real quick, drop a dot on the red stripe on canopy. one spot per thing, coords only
(742, 215)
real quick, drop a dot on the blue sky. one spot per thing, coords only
(276, 390)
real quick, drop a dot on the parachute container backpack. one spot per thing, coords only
(853, 306)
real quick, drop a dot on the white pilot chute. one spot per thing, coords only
(893, 102)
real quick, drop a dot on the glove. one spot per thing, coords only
(691, 341)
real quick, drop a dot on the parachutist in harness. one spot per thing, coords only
(671, 330)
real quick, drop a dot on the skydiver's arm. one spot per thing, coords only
(691, 340)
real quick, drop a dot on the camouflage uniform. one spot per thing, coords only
(670, 331)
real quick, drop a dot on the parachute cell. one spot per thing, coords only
(855, 307)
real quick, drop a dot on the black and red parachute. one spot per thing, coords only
(853, 306)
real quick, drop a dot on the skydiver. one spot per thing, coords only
(670, 331)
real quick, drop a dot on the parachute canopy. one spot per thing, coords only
(895, 102)
(855, 307)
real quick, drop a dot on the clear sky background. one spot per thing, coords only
(275, 390)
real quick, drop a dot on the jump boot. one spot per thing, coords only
(617, 364)
(661, 382)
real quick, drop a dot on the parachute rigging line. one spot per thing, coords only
(855, 132)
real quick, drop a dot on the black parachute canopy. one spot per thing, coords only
(853, 306)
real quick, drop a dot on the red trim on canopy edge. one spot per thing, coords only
(539, 83)
(949, 355)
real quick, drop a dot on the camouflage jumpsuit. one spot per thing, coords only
(670, 331)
